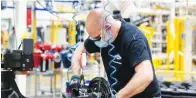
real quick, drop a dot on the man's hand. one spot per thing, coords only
(74, 85)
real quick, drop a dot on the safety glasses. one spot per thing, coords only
(97, 38)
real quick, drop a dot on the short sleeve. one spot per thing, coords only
(90, 46)
(137, 52)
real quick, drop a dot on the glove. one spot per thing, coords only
(74, 85)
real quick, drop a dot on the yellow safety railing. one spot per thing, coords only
(169, 44)
(148, 32)
(157, 62)
(179, 47)
(175, 42)
(176, 47)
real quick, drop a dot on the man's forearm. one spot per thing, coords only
(136, 85)
(76, 59)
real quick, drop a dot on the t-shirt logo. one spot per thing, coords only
(118, 59)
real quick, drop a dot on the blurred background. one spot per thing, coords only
(169, 25)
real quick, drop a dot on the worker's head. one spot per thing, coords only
(96, 25)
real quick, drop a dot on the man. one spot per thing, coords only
(135, 72)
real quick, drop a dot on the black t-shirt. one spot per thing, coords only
(131, 48)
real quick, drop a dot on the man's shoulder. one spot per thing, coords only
(131, 32)
(127, 25)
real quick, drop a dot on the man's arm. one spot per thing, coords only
(76, 59)
(87, 46)
(141, 79)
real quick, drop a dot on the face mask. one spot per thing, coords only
(101, 43)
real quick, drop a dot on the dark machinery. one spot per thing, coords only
(97, 88)
(16, 60)
(178, 90)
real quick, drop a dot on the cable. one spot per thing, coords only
(71, 37)
(99, 88)
(20, 45)
(109, 52)
(51, 12)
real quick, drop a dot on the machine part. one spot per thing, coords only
(8, 85)
(27, 46)
(100, 87)
(57, 65)
(44, 64)
(117, 15)
(20, 60)
(37, 57)
(16, 60)
(109, 52)
(46, 46)
(38, 45)
(57, 48)
(97, 88)
(178, 90)
(64, 55)
(57, 57)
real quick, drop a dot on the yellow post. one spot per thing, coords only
(168, 40)
(148, 32)
(56, 32)
(2, 36)
(34, 35)
(176, 47)
(52, 32)
(6, 38)
(72, 33)
(181, 47)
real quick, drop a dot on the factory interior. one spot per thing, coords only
(40, 40)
